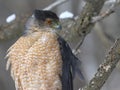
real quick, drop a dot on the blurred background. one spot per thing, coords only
(93, 49)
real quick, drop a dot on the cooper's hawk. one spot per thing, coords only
(41, 59)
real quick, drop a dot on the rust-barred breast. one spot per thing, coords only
(17, 52)
(36, 62)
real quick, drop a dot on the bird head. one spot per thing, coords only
(43, 20)
(47, 19)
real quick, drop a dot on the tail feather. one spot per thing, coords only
(76, 68)
(70, 65)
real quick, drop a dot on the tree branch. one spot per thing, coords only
(13, 29)
(53, 5)
(16, 27)
(106, 13)
(87, 19)
(83, 24)
(106, 68)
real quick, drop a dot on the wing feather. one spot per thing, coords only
(70, 65)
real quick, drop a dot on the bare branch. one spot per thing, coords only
(53, 5)
(106, 13)
(14, 28)
(83, 24)
(95, 19)
(106, 68)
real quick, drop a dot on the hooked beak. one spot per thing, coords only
(58, 27)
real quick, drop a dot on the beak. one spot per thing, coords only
(58, 26)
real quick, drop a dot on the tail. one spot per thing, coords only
(70, 65)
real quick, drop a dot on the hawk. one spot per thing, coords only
(41, 59)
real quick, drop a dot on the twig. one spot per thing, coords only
(106, 13)
(14, 28)
(106, 68)
(110, 2)
(98, 18)
(83, 24)
(53, 5)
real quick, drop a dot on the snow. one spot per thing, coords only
(11, 18)
(66, 14)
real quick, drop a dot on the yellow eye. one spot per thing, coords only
(48, 21)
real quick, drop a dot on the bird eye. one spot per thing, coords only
(48, 21)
